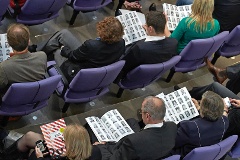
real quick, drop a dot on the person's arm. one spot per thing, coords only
(180, 30)
(183, 132)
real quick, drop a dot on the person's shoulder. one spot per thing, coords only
(216, 22)
(171, 40)
(39, 54)
(170, 125)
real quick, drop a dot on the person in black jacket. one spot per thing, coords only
(155, 141)
(93, 53)
(156, 48)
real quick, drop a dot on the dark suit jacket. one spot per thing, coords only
(198, 133)
(150, 52)
(91, 54)
(148, 144)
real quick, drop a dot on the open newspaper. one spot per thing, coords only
(53, 135)
(5, 49)
(133, 30)
(179, 106)
(175, 14)
(111, 127)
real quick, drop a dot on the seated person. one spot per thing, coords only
(156, 48)
(206, 130)
(198, 25)
(227, 12)
(22, 66)
(92, 53)
(155, 141)
(184, 2)
(234, 109)
(232, 72)
(76, 139)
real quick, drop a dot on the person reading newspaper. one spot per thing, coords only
(147, 143)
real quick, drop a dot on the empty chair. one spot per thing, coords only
(174, 157)
(88, 84)
(235, 151)
(4, 5)
(38, 11)
(145, 74)
(231, 45)
(86, 6)
(24, 98)
(213, 152)
(194, 53)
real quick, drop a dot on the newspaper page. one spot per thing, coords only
(53, 135)
(111, 127)
(5, 49)
(133, 30)
(175, 14)
(179, 106)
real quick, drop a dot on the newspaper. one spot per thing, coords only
(111, 127)
(179, 106)
(53, 136)
(132, 24)
(175, 14)
(5, 49)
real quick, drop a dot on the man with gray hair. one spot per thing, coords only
(155, 141)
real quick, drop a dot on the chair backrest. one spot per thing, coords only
(143, 75)
(174, 157)
(37, 12)
(89, 5)
(92, 82)
(235, 151)
(213, 152)
(231, 46)
(226, 145)
(193, 55)
(4, 5)
(27, 97)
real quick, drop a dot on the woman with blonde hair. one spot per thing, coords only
(199, 25)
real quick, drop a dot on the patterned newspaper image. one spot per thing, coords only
(54, 137)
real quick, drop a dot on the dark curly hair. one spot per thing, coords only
(110, 30)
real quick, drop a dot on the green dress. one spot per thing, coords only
(185, 34)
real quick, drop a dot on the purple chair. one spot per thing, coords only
(235, 151)
(88, 84)
(145, 74)
(231, 45)
(38, 11)
(174, 157)
(86, 6)
(4, 5)
(194, 53)
(24, 98)
(213, 152)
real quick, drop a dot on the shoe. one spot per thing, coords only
(118, 13)
(176, 87)
(152, 7)
(216, 71)
(32, 48)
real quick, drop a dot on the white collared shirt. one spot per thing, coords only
(154, 38)
(154, 125)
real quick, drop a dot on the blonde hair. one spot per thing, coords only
(201, 14)
(77, 142)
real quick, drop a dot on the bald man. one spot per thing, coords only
(155, 141)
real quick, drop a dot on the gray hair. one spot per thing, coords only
(156, 109)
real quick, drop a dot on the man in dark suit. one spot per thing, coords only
(155, 141)
(71, 56)
(156, 48)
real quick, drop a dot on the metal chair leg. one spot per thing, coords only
(74, 16)
(120, 92)
(170, 76)
(65, 107)
(215, 58)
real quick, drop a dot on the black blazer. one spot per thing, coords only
(148, 144)
(150, 52)
(91, 54)
(198, 133)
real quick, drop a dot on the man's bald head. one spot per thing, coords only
(18, 37)
(155, 107)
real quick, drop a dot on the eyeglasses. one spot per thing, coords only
(141, 112)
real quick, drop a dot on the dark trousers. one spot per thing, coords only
(233, 73)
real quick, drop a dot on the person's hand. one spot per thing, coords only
(235, 102)
(38, 152)
(132, 5)
(196, 104)
(97, 143)
(11, 54)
